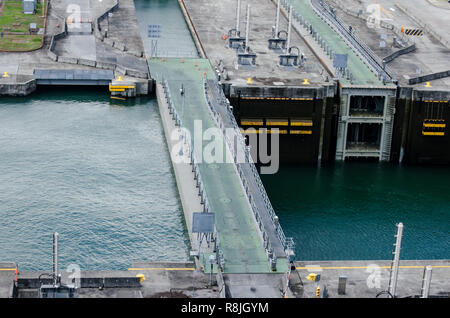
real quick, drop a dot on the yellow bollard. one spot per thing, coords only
(318, 292)
(119, 78)
(141, 277)
(306, 82)
(427, 84)
(5, 74)
(249, 80)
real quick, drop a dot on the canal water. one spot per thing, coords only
(96, 172)
(348, 211)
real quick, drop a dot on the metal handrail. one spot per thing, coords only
(323, 10)
(249, 160)
(196, 169)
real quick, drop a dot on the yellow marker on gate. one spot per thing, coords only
(249, 80)
(306, 81)
(427, 84)
(5, 74)
(141, 277)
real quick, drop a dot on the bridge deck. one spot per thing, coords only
(240, 239)
(361, 73)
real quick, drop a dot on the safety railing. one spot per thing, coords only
(328, 16)
(324, 10)
(195, 167)
(287, 243)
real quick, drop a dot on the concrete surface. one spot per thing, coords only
(7, 275)
(430, 55)
(213, 19)
(254, 286)
(186, 184)
(21, 66)
(364, 281)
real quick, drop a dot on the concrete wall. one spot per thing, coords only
(18, 89)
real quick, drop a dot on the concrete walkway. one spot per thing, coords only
(362, 74)
(365, 279)
(240, 239)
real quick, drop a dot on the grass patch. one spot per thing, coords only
(12, 20)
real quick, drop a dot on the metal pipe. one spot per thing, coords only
(288, 43)
(426, 282)
(278, 19)
(394, 272)
(238, 13)
(55, 259)
(247, 29)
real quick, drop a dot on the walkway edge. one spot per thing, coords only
(184, 176)
(194, 34)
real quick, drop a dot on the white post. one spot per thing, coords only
(278, 20)
(238, 13)
(394, 273)
(55, 259)
(248, 27)
(426, 282)
(288, 44)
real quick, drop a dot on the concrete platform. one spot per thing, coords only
(76, 51)
(267, 71)
(365, 279)
(7, 275)
(430, 55)
(162, 280)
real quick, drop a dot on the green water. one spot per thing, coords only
(97, 172)
(349, 211)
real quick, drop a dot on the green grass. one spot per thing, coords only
(12, 20)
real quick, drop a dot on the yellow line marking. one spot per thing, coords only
(7, 269)
(429, 133)
(301, 132)
(163, 269)
(364, 267)
(434, 125)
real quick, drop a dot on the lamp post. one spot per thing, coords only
(211, 261)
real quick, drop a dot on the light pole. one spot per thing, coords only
(211, 261)
(182, 115)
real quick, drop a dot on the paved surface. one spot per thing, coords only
(240, 239)
(162, 280)
(7, 275)
(363, 281)
(362, 75)
(174, 280)
(254, 286)
(186, 183)
(430, 55)
(222, 17)
(217, 102)
(22, 65)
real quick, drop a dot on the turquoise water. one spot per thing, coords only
(349, 211)
(175, 40)
(97, 173)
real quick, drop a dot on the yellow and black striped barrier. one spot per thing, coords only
(434, 127)
(414, 32)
